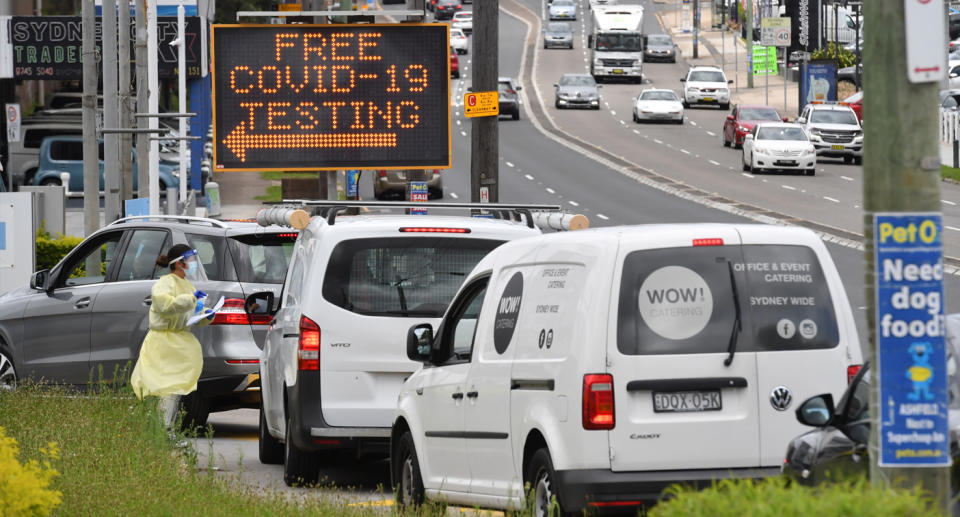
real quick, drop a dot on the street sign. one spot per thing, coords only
(419, 193)
(288, 7)
(926, 48)
(481, 104)
(911, 356)
(775, 32)
(322, 97)
(764, 60)
(13, 122)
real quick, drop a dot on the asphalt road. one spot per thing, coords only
(536, 168)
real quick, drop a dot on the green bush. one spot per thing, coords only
(778, 497)
(51, 250)
(847, 58)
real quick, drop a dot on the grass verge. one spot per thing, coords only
(949, 173)
(115, 458)
(279, 175)
(274, 194)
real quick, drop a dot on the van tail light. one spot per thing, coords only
(232, 313)
(383, 174)
(598, 402)
(308, 352)
(852, 372)
(708, 242)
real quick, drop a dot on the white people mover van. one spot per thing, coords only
(599, 367)
(334, 356)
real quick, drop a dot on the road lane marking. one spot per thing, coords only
(951, 203)
(952, 228)
(848, 178)
(574, 203)
(614, 113)
(684, 151)
(509, 164)
(550, 190)
(658, 141)
(828, 198)
(601, 216)
(692, 123)
(529, 177)
(751, 176)
(714, 162)
(464, 133)
(711, 133)
(454, 195)
(788, 187)
(635, 131)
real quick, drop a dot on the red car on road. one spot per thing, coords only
(855, 102)
(454, 64)
(741, 120)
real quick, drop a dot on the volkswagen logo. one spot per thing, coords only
(780, 398)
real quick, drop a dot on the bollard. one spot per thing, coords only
(172, 202)
(65, 181)
(212, 190)
(956, 154)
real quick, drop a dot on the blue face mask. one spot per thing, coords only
(192, 268)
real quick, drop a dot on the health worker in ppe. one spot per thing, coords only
(171, 358)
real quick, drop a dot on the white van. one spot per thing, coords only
(601, 366)
(334, 357)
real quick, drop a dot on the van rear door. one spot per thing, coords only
(679, 402)
(797, 336)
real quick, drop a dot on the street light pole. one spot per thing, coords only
(91, 165)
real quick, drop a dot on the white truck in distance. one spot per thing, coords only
(616, 42)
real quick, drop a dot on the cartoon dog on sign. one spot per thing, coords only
(921, 373)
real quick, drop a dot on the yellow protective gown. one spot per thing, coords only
(171, 358)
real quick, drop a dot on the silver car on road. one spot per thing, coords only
(563, 10)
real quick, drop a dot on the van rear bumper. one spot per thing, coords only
(577, 489)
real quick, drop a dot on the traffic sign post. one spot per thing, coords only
(775, 32)
(481, 104)
(419, 193)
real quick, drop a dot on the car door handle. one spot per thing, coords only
(457, 396)
(148, 301)
(472, 394)
(83, 303)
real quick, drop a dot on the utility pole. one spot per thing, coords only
(749, 21)
(111, 169)
(153, 107)
(696, 29)
(125, 102)
(91, 165)
(484, 140)
(901, 174)
(143, 148)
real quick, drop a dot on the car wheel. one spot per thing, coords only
(8, 374)
(635, 117)
(725, 107)
(858, 160)
(436, 194)
(196, 410)
(271, 450)
(410, 492)
(848, 159)
(680, 121)
(299, 467)
(50, 182)
(811, 172)
(542, 480)
(686, 105)
(456, 75)
(746, 168)
(556, 103)
(516, 114)
(723, 136)
(753, 168)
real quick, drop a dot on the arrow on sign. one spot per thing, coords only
(239, 141)
(925, 70)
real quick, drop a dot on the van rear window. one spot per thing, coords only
(262, 257)
(681, 301)
(401, 276)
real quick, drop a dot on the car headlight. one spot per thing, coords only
(597, 62)
(743, 128)
(809, 151)
(723, 91)
(693, 89)
(815, 132)
(858, 134)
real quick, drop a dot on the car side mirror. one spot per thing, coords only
(590, 41)
(730, 117)
(785, 119)
(420, 343)
(260, 304)
(555, 85)
(599, 86)
(518, 88)
(816, 411)
(954, 75)
(748, 137)
(683, 79)
(801, 120)
(729, 81)
(39, 280)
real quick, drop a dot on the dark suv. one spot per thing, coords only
(445, 9)
(69, 324)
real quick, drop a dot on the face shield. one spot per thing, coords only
(192, 266)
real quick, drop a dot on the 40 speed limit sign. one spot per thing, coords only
(775, 32)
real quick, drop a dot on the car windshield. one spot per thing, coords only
(707, 76)
(759, 114)
(563, 3)
(559, 27)
(659, 40)
(658, 96)
(618, 42)
(504, 86)
(262, 258)
(401, 276)
(456, 33)
(833, 117)
(463, 16)
(577, 80)
(781, 133)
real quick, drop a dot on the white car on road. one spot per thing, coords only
(834, 130)
(463, 21)
(458, 41)
(706, 85)
(779, 146)
(657, 104)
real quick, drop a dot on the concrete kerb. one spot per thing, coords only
(652, 178)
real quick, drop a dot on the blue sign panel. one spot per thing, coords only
(912, 362)
(419, 193)
(3, 236)
(134, 207)
(353, 178)
(818, 82)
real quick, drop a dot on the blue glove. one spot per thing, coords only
(199, 306)
(199, 294)
(210, 314)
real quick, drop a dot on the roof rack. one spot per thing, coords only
(510, 211)
(178, 218)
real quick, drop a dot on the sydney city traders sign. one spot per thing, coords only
(314, 97)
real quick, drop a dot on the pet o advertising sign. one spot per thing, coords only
(912, 362)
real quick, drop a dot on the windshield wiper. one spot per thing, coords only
(403, 299)
(737, 325)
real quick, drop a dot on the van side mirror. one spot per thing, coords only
(801, 120)
(785, 119)
(420, 343)
(590, 41)
(730, 117)
(260, 304)
(816, 411)
(518, 88)
(39, 280)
